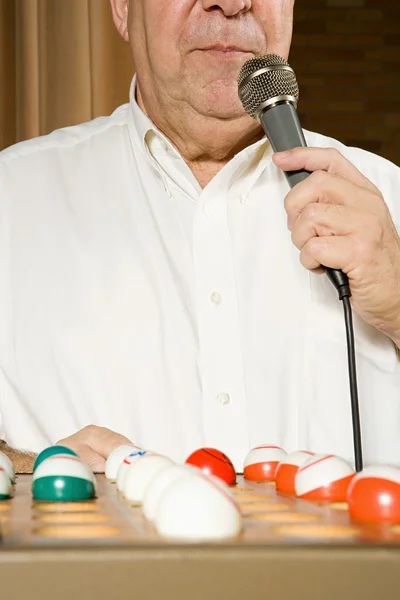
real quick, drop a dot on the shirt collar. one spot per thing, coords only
(141, 125)
(248, 164)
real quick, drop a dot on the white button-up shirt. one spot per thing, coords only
(180, 317)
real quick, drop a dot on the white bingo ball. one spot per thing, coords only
(140, 474)
(116, 457)
(126, 463)
(195, 508)
(160, 483)
(221, 484)
(6, 464)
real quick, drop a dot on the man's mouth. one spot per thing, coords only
(222, 49)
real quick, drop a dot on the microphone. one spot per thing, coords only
(269, 93)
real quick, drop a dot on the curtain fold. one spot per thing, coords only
(7, 74)
(27, 108)
(61, 62)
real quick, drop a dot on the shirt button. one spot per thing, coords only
(224, 399)
(216, 299)
(243, 198)
(209, 210)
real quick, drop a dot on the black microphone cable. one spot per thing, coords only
(269, 93)
(355, 410)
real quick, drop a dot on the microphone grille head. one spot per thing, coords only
(263, 78)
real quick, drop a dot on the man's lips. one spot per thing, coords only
(225, 49)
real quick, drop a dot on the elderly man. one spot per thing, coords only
(159, 280)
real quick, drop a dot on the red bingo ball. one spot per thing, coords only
(213, 462)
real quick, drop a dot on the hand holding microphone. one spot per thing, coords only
(337, 217)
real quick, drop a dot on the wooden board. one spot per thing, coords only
(269, 518)
(292, 548)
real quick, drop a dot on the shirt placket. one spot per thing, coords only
(222, 375)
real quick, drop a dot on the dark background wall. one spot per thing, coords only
(346, 54)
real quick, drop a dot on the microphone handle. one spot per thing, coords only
(282, 127)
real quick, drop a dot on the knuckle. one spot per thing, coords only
(310, 212)
(90, 429)
(313, 245)
(318, 177)
(319, 183)
(339, 209)
(89, 432)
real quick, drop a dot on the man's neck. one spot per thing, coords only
(206, 144)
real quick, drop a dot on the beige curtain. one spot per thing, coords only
(61, 62)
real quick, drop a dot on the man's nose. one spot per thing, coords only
(230, 8)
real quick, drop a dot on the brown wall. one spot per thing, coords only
(346, 54)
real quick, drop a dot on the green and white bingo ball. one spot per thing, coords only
(5, 485)
(63, 478)
(6, 464)
(52, 451)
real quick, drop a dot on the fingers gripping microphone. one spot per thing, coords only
(269, 93)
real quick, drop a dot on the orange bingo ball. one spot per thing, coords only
(324, 478)
(374, 495)
(287, 470)
(261, 463)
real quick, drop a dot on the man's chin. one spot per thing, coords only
(224, 114)
(221, 110)
(219, 100)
